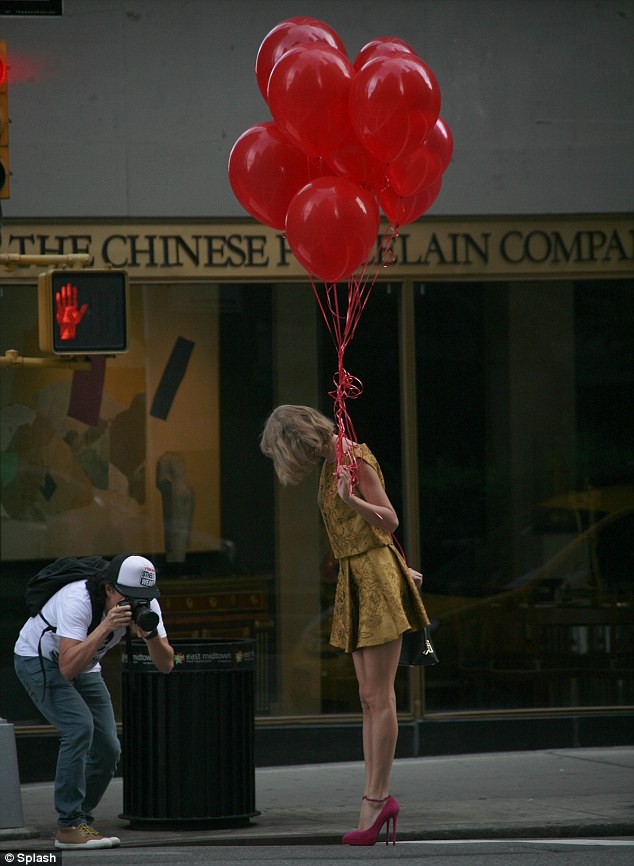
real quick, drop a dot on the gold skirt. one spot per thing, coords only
(376, 600)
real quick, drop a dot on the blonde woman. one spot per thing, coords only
(377, 597)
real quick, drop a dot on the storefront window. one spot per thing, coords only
(166, 462)
(527, 497)
(526, 494)
(124, 456)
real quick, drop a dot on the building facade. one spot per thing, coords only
(494, 354)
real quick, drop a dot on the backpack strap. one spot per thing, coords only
(97, 614)
(52, 628)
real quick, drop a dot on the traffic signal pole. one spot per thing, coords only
(11, 261)
(12, 358)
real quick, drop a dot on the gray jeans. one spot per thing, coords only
(89, 749)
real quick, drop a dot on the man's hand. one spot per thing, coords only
(68, 313)
(119, 616)
(137, 631)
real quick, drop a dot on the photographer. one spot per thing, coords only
(57, 658)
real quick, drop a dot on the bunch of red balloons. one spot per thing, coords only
(347, 140)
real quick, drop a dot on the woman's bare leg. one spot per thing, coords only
(376, 670)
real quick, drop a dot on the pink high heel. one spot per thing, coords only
(388, 813)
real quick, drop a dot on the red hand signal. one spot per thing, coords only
(68, 313)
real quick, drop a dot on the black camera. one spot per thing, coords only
(142, 613)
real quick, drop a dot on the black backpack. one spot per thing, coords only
(65, 569)
(48, 581)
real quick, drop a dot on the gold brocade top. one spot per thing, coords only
(348, 532)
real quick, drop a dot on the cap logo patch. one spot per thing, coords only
(148, 578)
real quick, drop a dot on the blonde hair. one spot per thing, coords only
(294, 438)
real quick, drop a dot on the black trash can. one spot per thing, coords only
(188, 757)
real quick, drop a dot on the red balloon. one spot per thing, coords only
(402, 210)
(331, 227)
(352, 160)
(308, 97)
(414, 171)
(440, 142)
(286, 35)
(384, 46)
(394, 103)
(265, 172)
(417, 169)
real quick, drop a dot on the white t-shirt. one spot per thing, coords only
(71, 612)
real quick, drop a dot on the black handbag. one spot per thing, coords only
(417, 649)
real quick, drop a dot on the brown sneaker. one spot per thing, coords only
(82, 836)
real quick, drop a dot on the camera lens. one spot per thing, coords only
(146, 619)
(142, 614)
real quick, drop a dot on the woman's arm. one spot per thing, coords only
(368, 498)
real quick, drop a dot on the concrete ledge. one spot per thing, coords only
(18, 833)
(331, 741)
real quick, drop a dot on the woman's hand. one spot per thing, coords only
(344, 484)
(417, 577)
(367, 497)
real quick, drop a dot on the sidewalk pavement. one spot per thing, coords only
(555, 793)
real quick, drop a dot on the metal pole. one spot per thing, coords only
(12, 358)
(11, 815)
(11, 261)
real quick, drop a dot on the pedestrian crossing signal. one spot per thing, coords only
(83, 312)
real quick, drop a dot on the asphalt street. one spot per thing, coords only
(497, 852)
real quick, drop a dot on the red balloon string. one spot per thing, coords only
(342, 320)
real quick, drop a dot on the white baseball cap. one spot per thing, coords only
(134, 576)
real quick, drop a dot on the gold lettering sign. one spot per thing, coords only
(242, 250)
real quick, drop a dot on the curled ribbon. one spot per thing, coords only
(342, 320)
